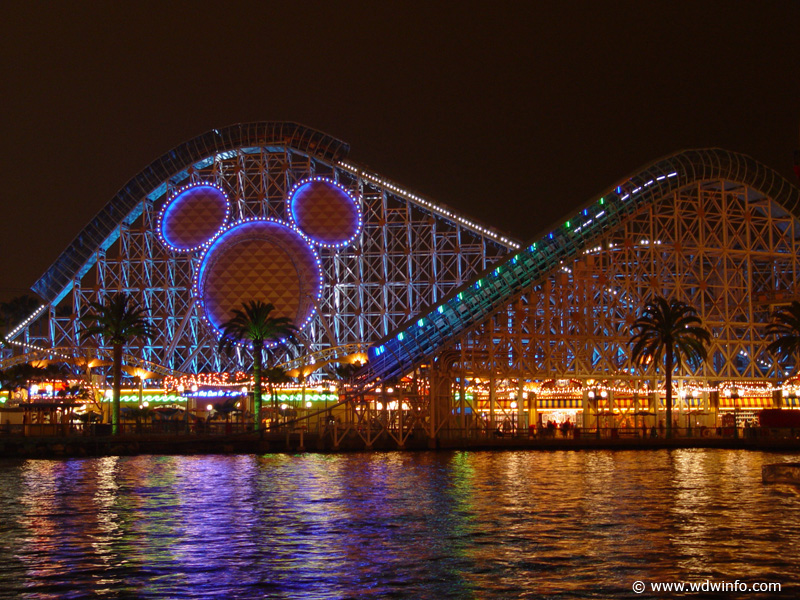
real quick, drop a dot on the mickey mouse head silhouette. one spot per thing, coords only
(259, 259)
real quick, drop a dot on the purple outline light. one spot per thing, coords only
(292, 217)
(175, 201)
(220, 238)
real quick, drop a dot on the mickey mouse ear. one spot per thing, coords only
(193, 216)
(325, 212)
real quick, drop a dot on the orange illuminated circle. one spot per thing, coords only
(193, 216)
(325, 212)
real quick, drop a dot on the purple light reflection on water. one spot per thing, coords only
(408, 525)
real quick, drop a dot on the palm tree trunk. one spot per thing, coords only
(257, 386)
(669, 389)
(116, 387)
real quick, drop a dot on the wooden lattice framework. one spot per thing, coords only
(411, 251)
(719, 246)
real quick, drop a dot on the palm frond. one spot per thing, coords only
(118, 320)
(668, 324)
(784, 325)
(254, 324)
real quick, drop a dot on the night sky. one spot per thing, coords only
(512, 115)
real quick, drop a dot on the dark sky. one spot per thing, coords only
(513, 115)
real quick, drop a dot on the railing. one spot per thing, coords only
(387, 430)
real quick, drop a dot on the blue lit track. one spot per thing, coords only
(418, 339)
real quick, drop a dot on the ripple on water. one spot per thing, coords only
(404, 525)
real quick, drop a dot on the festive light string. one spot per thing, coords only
(540, 389)
(176, 199)
(39, 349)
(207, 379)
(240, 379)
(198, 282)
(292, 217)
(22, 325)
(437, 209)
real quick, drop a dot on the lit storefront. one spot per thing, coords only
(600, 404)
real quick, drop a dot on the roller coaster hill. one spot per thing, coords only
(466, 332)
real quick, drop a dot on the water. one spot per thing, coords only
(394, 525)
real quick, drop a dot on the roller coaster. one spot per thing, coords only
(440, 300)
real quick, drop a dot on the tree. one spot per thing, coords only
(254, 324)
(139, 413)
(14, 312)
(17, 310)
(225, 409)
(18, 376)
(346, 371)
(275, 376)
(668, 331)
(785, 326)
(119, 322)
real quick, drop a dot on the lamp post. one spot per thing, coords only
(595, 395)
(695, 396)
(186, 412)
(682, 397)
(604, 395)
(242, 406)
(141, 389)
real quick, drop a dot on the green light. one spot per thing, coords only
(602, 200)
(150, 397)
(567, 224)
(400, 336)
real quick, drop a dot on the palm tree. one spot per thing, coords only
(253, 323)
(18, 376)
(785, 326)
(13, 312)
(344, 373)
(138, 413)
(17, 309)
(225, 409)
(668, 331)
(275, 376)
(119, 322)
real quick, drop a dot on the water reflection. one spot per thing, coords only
(407, 525)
